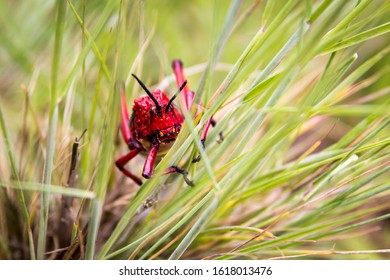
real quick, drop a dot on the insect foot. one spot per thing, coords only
(199, 157)
(184, 173)
(221, 138)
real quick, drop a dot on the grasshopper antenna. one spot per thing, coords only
(158, 107)
(174, 96)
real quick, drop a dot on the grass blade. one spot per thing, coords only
(20, 193)
(53, 118)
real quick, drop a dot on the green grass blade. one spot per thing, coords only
(359, 38)
(20, 193)
(276, 60)
(106, 160)
(195, 230)
(51, 189)
(227, 29)
(45, 197)
(185, 219)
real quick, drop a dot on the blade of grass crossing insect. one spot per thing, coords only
(20, 193)
(188, 121)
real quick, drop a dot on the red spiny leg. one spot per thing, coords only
(121, 162)
(186, 94)
(213, 123)
(188, 97)
(206, 127)
(149, 163)
(203, 136)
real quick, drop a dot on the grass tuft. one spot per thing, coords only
(300, 92)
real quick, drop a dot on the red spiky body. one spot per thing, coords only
(147, 125)
(154, 125)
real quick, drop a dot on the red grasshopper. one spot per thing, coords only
(154, 124)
